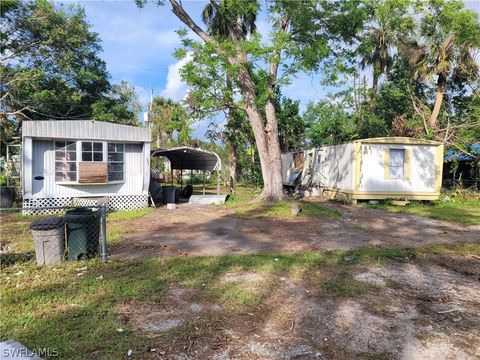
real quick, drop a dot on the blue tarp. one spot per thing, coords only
(451, 154)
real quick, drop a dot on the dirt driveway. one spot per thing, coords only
(404, 309)
(193, 230)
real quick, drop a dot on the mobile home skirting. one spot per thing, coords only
(115, 202)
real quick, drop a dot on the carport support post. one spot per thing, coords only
(203, 182)
(218, 182)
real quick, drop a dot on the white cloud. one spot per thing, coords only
(136, 42)
(176, 88)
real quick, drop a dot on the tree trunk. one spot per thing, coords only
(374, 84)
(373, 92)
(266, 138)
(275, 158)
(433, 120)
(158, 139)
(233, 168)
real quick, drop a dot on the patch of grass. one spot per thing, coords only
(15, 234)
(11, 259)
(359, 227)
(449, 249)
(464, 211)
(115, 232)
(118, 223)
(72, 306)
(128, 215)
(344, 285)
(246, 206)
(309, 209)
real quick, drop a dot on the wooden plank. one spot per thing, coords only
(92, 172)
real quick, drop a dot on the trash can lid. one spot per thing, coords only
(80, 211)
(49, 223)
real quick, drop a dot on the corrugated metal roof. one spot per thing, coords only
(85, 129)
(187, 158)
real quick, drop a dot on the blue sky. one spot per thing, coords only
(138, 45)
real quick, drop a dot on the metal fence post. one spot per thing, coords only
(104, 231)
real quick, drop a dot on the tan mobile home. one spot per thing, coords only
(377, 168)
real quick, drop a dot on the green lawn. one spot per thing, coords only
(73, 307)
(461, 211)
(246, 205)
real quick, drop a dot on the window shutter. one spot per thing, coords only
(386, 163)
(407, 164)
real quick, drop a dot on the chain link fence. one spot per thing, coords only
(72, 234)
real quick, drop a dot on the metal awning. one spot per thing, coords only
(188, 158)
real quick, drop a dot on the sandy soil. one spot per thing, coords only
(193, 230)
(417, 312)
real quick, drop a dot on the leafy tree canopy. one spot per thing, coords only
(50, 68)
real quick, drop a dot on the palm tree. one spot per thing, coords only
(444, 57)
(168, 116)
(390, 22)
(378, 41)
(227, 24)
(450, 37)
(223, 21)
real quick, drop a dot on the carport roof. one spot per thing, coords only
(187, 158)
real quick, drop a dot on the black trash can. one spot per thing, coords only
(169, 194)
(49, 238)
(83, 230)
(7, 196)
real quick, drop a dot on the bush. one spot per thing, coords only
(3, 180)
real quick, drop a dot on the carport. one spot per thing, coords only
(188, 158)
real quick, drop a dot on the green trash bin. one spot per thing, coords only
(83, 230)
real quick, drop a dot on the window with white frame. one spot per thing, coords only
(92, 151)
(397, 163)
(115, 162)
(70, 154)
(65, 161)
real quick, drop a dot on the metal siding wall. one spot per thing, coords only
(422, 176)
(288, 167)
(44, 165)
(146, 167)
(336, 166)
(26, 177)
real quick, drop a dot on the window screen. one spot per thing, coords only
(397, 163)
(65, 161)
(115, 162)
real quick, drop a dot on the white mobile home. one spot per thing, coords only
(78, 161)
(377, 168)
